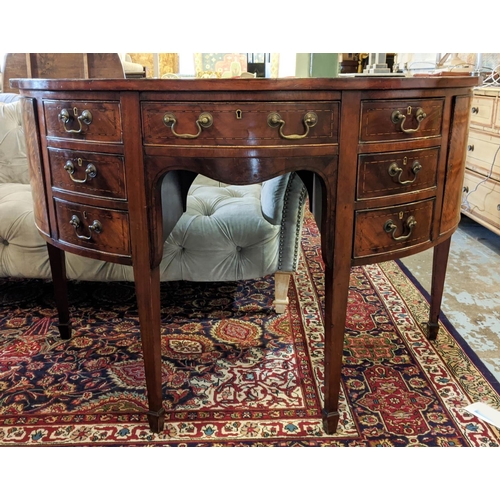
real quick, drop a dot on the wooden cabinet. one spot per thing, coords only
(481, 191)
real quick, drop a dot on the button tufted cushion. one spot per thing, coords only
(222, 236)
(23, 252)
(13, 160)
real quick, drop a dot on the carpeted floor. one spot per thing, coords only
(236, 374)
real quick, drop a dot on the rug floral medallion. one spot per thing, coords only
(234, 372)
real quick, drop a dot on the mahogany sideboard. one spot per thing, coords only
(383, 159)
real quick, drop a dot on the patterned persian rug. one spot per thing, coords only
(235, 373)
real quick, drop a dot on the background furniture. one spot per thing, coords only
(481, 197)
(132, 69)
(388, 155)
(60, 65)
(227, 233)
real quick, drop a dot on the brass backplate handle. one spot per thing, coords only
(390, 227)
(310, 119)
(205, 120)
(96, 227)
(398, 117)
(394, 170)
(90, 172)
(84, 118)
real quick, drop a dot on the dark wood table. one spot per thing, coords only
(383, 159)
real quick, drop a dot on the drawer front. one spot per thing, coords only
(397, 120)
(385, 174)
(240, 123)
(481, 198)
(482, 111)
(83, 120)
(393, 228)
(98, 229)
(482, 150)
(88, 173)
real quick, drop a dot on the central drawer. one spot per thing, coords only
(240, 123)
(392, 228)
(99, 229)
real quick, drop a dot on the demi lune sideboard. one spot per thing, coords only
(383, 160)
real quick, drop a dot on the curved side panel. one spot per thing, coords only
(35, 166)
(455, 165)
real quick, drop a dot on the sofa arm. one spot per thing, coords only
(282, 202)
(13, 159)
(9, 97)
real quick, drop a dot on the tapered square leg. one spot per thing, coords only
(439, 264)
(147, 285)
(58, 268)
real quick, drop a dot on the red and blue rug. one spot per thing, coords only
(234, 372)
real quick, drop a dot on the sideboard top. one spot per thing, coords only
(246, 84)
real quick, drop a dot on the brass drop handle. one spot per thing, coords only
(395, 170)
(310, 119)
(84, 118)
(96, 226)
(390, 227)
(90, 171)
(205, 120)
(398, 117)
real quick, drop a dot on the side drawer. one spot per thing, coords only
(399, 120)
(482, 150)
(240, 123)
(94, 174)
(481, 199)
(100, 229)
(392, 228)
(385, 174)
(482, 109)
(84, 120)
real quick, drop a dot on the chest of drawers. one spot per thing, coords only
(383, 160)
(481, 192)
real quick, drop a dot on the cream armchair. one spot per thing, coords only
(227, 233)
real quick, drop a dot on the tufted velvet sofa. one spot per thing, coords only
(227, 233)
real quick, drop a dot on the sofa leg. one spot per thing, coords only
(281, 282)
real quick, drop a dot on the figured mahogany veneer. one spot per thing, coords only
(383, 160)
